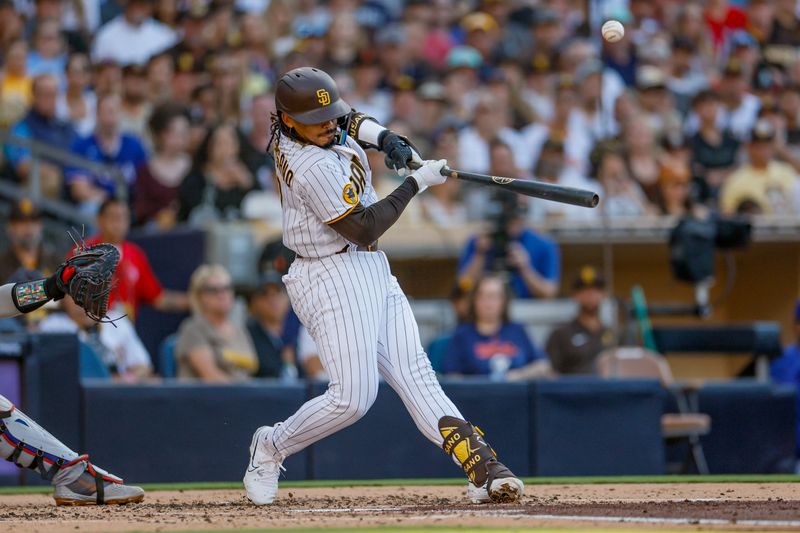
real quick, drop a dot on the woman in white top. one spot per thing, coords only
(77, 104)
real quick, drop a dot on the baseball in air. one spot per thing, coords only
(612, 31)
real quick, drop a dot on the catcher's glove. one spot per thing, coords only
(87, 277)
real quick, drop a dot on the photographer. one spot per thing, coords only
(532, 260)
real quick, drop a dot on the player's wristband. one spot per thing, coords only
(31, 295)
(365, 130)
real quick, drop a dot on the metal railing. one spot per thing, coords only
(33, 187)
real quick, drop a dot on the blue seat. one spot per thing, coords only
(166, 356)
(91, 366)
(437, 350)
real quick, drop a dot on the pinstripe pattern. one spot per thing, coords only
(363, 326)
(350, 303)
(312, 194)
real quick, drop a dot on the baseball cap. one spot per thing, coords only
(762, 131)
(464, 57)
(24, 210)
(391, 35)
(650, 77)
(432, 91)
(544, 16)
(588, 277)
(741, 38)
(479, 21)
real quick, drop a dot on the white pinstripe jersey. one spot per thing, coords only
(319, 186)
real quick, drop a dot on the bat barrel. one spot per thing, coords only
(536, 189)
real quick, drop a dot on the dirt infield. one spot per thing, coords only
(740, 506)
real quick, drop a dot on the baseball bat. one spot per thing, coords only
(536, 189)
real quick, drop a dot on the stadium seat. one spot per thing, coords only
(166, 356)
(685, 426)
(91, 366)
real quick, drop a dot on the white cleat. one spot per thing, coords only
(504, 490)
(263, 471)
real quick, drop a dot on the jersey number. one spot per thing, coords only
(358, 175)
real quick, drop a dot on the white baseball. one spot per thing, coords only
(612, 31)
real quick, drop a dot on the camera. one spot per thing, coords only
(503, 210)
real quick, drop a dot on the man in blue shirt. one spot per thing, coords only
(107, 145)
(532, 260)
(40, 124)
(786, 369)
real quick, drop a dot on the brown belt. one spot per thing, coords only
(371, 248)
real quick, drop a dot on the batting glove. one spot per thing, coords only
(399, 152)
(430, 173)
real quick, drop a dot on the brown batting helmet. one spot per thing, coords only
(309, 96)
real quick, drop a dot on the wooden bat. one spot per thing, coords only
(536, 189)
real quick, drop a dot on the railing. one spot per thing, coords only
(32, 188)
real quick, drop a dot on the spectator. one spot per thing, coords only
(48, 55)
(160, 73)
(786, 370)
(621, 195)
(533, 260)
(134, 281)
(78, 104)
(135, 108)
(155, 199)
(133, 37)
(573, 347)
(673, 196)
(109, 146)
(713, 149)
(254, 139)
(218, 181)
(115, 344)
(459, 299)
(107, 77)
(722, 18)
(16, 87)
(28, 256)
(657, 106)
(366, 95)
(268, 304)
(642, 156)
(211, 346)
(41, 124)
(488, 343)
(770, 183)
(686, 74)
(740, 106)
(489, 121)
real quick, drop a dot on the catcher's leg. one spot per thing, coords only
(77, 481)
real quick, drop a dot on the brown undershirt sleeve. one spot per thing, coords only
(364, 225)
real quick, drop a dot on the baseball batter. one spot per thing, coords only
(342, 289)
(28, 445)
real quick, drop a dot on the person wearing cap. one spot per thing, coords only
(268, 305)
(656, 101)
(482, 33)
(714, 148)
(134, 36)
(135, 106)
(740, 106)
(28, 256)
(786, 370)
(770, 183)
(573, 347)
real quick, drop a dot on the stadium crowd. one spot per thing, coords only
(699, 104)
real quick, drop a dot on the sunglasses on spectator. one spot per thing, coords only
(216, 289)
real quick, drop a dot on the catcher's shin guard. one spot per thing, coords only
(28, 445)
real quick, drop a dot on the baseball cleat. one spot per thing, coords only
(113, 494)
(261, 478)
(504, 490)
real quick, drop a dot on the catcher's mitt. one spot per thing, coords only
(87, 277)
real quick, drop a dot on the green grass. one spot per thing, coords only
(395, 529)
(743, 478)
